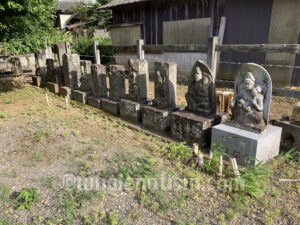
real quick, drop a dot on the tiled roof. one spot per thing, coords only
(121, 2)
(65, 4)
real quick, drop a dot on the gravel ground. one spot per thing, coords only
(39, 145)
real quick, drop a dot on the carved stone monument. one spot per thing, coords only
(248, 137)
(116, 75)
(193, 125)
(252, 98)
(72, 74)
(99, 86)
(85, 88)
(130, 109)
(157, 116)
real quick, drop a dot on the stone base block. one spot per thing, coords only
(192, 128)
(110, 106)
(95, 102)
(157, 119)
(36, 81)
(132, 111)
(52, 87)
(290, 137)
(247, 146)
(65, 92)
(80, 96)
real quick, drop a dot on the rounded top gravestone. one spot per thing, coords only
(252, 97)
(201, 90)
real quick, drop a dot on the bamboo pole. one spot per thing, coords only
(235, 167)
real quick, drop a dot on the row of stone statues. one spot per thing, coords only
(87, 83)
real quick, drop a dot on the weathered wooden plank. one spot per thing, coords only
(132, 48)
(176, 48)
(275, 48)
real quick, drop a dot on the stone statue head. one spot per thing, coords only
(249, 81)
(198, 74)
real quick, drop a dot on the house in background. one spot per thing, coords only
(192, 21)
(63, 14)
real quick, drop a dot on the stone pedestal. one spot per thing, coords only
(65, 92)
(290, 137)
(80, 96)
(52, 87)
(157, 119)
(192, 128)
(132, 111)
(111, 106)
(95, 102)
(36, 81)
(247, 146)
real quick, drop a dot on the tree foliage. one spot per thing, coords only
(87, 12)
(26, 25)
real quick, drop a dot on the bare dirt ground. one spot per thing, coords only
(40, 144)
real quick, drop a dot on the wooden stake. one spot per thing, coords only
(221, 166)
(210, 157)
(47, 100)
(67, 101)
(200, 159)
(196, 149)
(234, 167)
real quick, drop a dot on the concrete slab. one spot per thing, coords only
(52, 87)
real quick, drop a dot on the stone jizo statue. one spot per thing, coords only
(251, 103)
(201, 90)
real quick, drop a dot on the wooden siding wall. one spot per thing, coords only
(247, 22)
(153, 15)
(190, 31)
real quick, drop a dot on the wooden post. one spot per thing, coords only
(221, 166)
(234, 167)
(196, 149)
(47, 100)
(140, 51)
(68, 48)
(211, 54)
(210, 156)
(200, 159)
(96, 52)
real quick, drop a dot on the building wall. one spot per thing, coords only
(185, 61)
(247, 22)
(284, 28)
(63, 18)
(191, 31)
(125, 36)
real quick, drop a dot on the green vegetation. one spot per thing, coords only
(26, 25)
(26, 198)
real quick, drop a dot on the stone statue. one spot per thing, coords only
(251, 103)
(138, 79)
(165, 85)
(201, 90)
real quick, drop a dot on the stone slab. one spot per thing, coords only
(36, 81)
(247, 146)
(132, 111)
(157, 119)
(191, 128)
(80, 96)
(290, 137)
(95, 102)
(111, 106)
(52, 87)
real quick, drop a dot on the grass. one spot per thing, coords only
(2, 115)
(26, 198)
